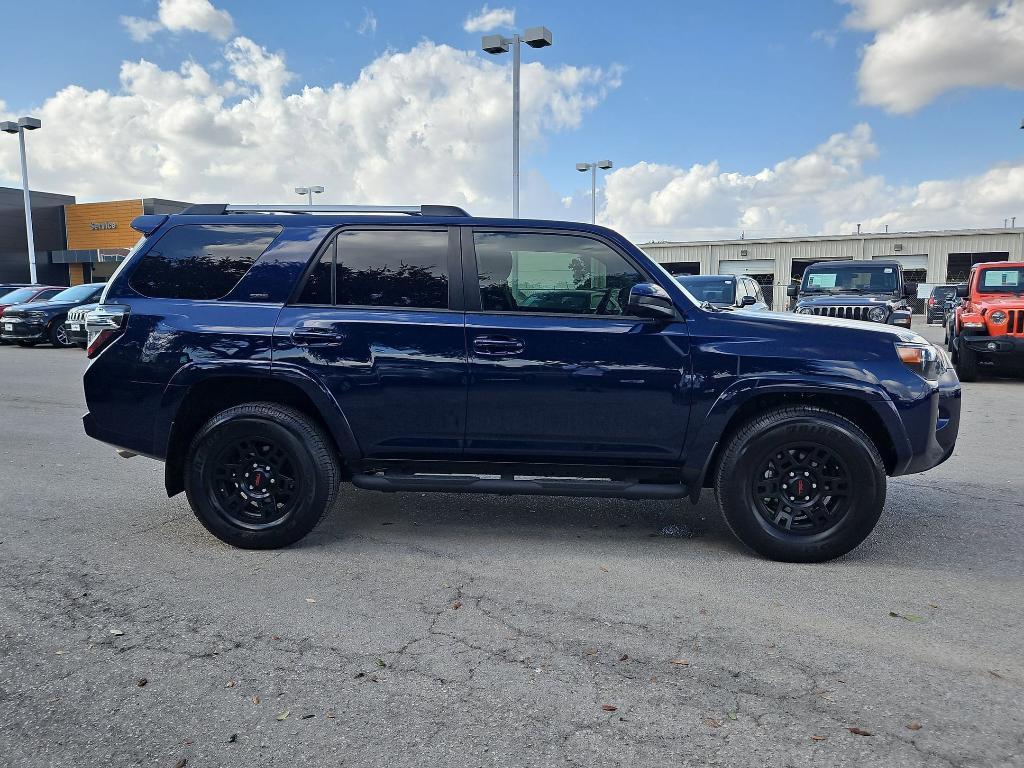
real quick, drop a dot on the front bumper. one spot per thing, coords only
(76, 335)
(1001, 348)
(17, 329)
(933, 425)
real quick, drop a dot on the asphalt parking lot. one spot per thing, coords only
(415, 630)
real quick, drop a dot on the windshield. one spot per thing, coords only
(716, 290)
(78, 293)
(18, 296)
(860, 279)
(1003, 280)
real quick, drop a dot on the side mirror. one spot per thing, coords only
(748, 301)
(910, 290)
(793, 291)
(650, 300)
(962, 290)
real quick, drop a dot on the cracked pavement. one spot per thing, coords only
(479, 630)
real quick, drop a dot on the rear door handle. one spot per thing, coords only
(318, 335)
(498, 346)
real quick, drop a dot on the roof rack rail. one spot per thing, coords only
(217, 209)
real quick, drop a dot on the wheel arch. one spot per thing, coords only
(193, 397)
(875, 415)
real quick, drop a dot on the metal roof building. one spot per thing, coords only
(928, 258)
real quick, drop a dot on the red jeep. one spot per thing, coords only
(988, 327)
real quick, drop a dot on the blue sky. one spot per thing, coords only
(745, 85)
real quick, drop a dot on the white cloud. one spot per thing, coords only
(368, 26)
(140, 30)
(923, 48)
(824, 191)
(430, 124)
(183, 16)
(488, 19)
(826, 36)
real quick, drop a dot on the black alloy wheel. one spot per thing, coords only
(800, 484)
(803, 488)
(261, 475)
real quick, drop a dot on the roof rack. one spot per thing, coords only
(217, 209)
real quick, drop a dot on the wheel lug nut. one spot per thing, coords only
(814, 485)
(792, 474)
(807, 474)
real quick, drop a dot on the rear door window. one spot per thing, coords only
(400, 268)
(201, 261)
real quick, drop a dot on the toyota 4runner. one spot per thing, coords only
(268, 354)
(987, 329)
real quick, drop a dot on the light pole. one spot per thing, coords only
(309, 191)
(25, 124)
(535, 37)
(604, 165)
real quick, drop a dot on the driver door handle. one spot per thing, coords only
(318, 335)
(498, 346)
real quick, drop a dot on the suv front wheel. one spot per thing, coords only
(801, 484)
(261, 475)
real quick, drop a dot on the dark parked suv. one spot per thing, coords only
(44, 321)
(267, 355)
(856, 289)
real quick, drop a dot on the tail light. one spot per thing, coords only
(931, 301)
(103, 325)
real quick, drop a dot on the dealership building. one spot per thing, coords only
(927, 258)
(74, 242)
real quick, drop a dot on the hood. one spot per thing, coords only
(879, 330)
(1000, 302)
(50, 307)
(845, 299)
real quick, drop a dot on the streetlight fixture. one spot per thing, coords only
(25, 124)
(535, 37)
(309, 192)
(604, 165)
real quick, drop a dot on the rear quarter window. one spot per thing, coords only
(201, 261)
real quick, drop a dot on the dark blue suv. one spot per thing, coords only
(268, 354)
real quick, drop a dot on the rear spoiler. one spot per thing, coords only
(148, 224)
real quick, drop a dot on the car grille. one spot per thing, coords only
(77, 315)
(850, 313)
(1015, 322)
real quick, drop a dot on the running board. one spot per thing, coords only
(392, 482)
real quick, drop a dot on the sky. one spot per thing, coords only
(766, 119)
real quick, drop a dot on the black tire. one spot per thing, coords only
(965, 361)
(820, 529)
(226, 496)
(58, 335)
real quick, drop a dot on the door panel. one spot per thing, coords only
(397, 364)
(557, 371)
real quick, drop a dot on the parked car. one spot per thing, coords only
(935, 309)
(28, 294)
(74, 325)
(266, 354)
(43, 321)
(725, 291)
(987, 328)
(873, 291)
(8, 287)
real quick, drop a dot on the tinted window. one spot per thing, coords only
(18, 296)
(317, 289)
(201, 261)
(717, 290)
(532, 272)
(47, 295)
(877, 279)
(392, 268)
(78, 293)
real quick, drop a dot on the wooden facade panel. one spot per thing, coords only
(102, 225)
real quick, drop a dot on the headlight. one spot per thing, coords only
(998, 317)
(34, 315)
(877, 314)
(803, 311)
(923, 359)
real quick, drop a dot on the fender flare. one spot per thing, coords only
(701, 447)
(186, 377)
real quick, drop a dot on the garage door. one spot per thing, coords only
(909, 261)
(746, 266)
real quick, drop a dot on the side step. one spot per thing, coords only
(392, 482)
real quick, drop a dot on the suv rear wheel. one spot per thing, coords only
(260, 475)
(801, 484)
